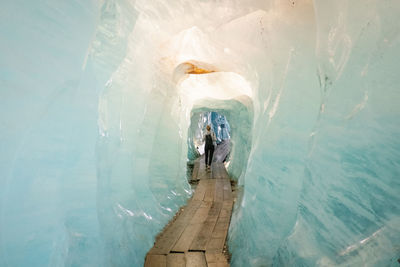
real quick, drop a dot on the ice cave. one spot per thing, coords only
(103, 102)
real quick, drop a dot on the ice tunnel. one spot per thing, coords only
(99, 101)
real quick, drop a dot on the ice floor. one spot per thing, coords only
(97, 99)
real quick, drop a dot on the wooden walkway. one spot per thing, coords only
(198, 234)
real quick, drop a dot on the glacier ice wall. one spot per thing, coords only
(48, 131)
(336, 178)
(95, 112)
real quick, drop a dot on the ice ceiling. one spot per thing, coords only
(96, 100)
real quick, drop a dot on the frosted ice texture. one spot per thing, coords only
(94, 127)
(220, 126)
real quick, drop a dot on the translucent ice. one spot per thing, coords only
(97, 114)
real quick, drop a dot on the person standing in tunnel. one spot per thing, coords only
(210, 139)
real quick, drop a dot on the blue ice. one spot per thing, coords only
(97, 118)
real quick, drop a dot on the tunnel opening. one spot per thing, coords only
(220, 98)
(196, 144)
(239, 114)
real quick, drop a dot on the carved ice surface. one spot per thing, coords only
(97, 110)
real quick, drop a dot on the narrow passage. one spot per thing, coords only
(197, 236)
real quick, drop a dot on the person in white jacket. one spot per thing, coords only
(211, 140)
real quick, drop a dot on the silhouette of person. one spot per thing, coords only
(210, 139)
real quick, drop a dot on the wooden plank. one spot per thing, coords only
(219, 190)
(155, 261)
(209, 195)
(222, 226)
(201, 173)
(200, 241)
(169, 237)
(208, 172)
(216, 260)
(190, 232)
(216, 171)
(218, 264)
(202, 226)
(225, 213)
(214, 211)
(227, 204)
(215, 245)
(200, 190)
(195, 259)
(223, 172)
(201, 214)
(227, 190)
(176, 260)
(184, 241)
(202, 238)
(204, 174)
(220, 230)
(224, 219)
(205, 204)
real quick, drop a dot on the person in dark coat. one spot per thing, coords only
(211, 141)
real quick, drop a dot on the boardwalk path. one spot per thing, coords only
(197, 236)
